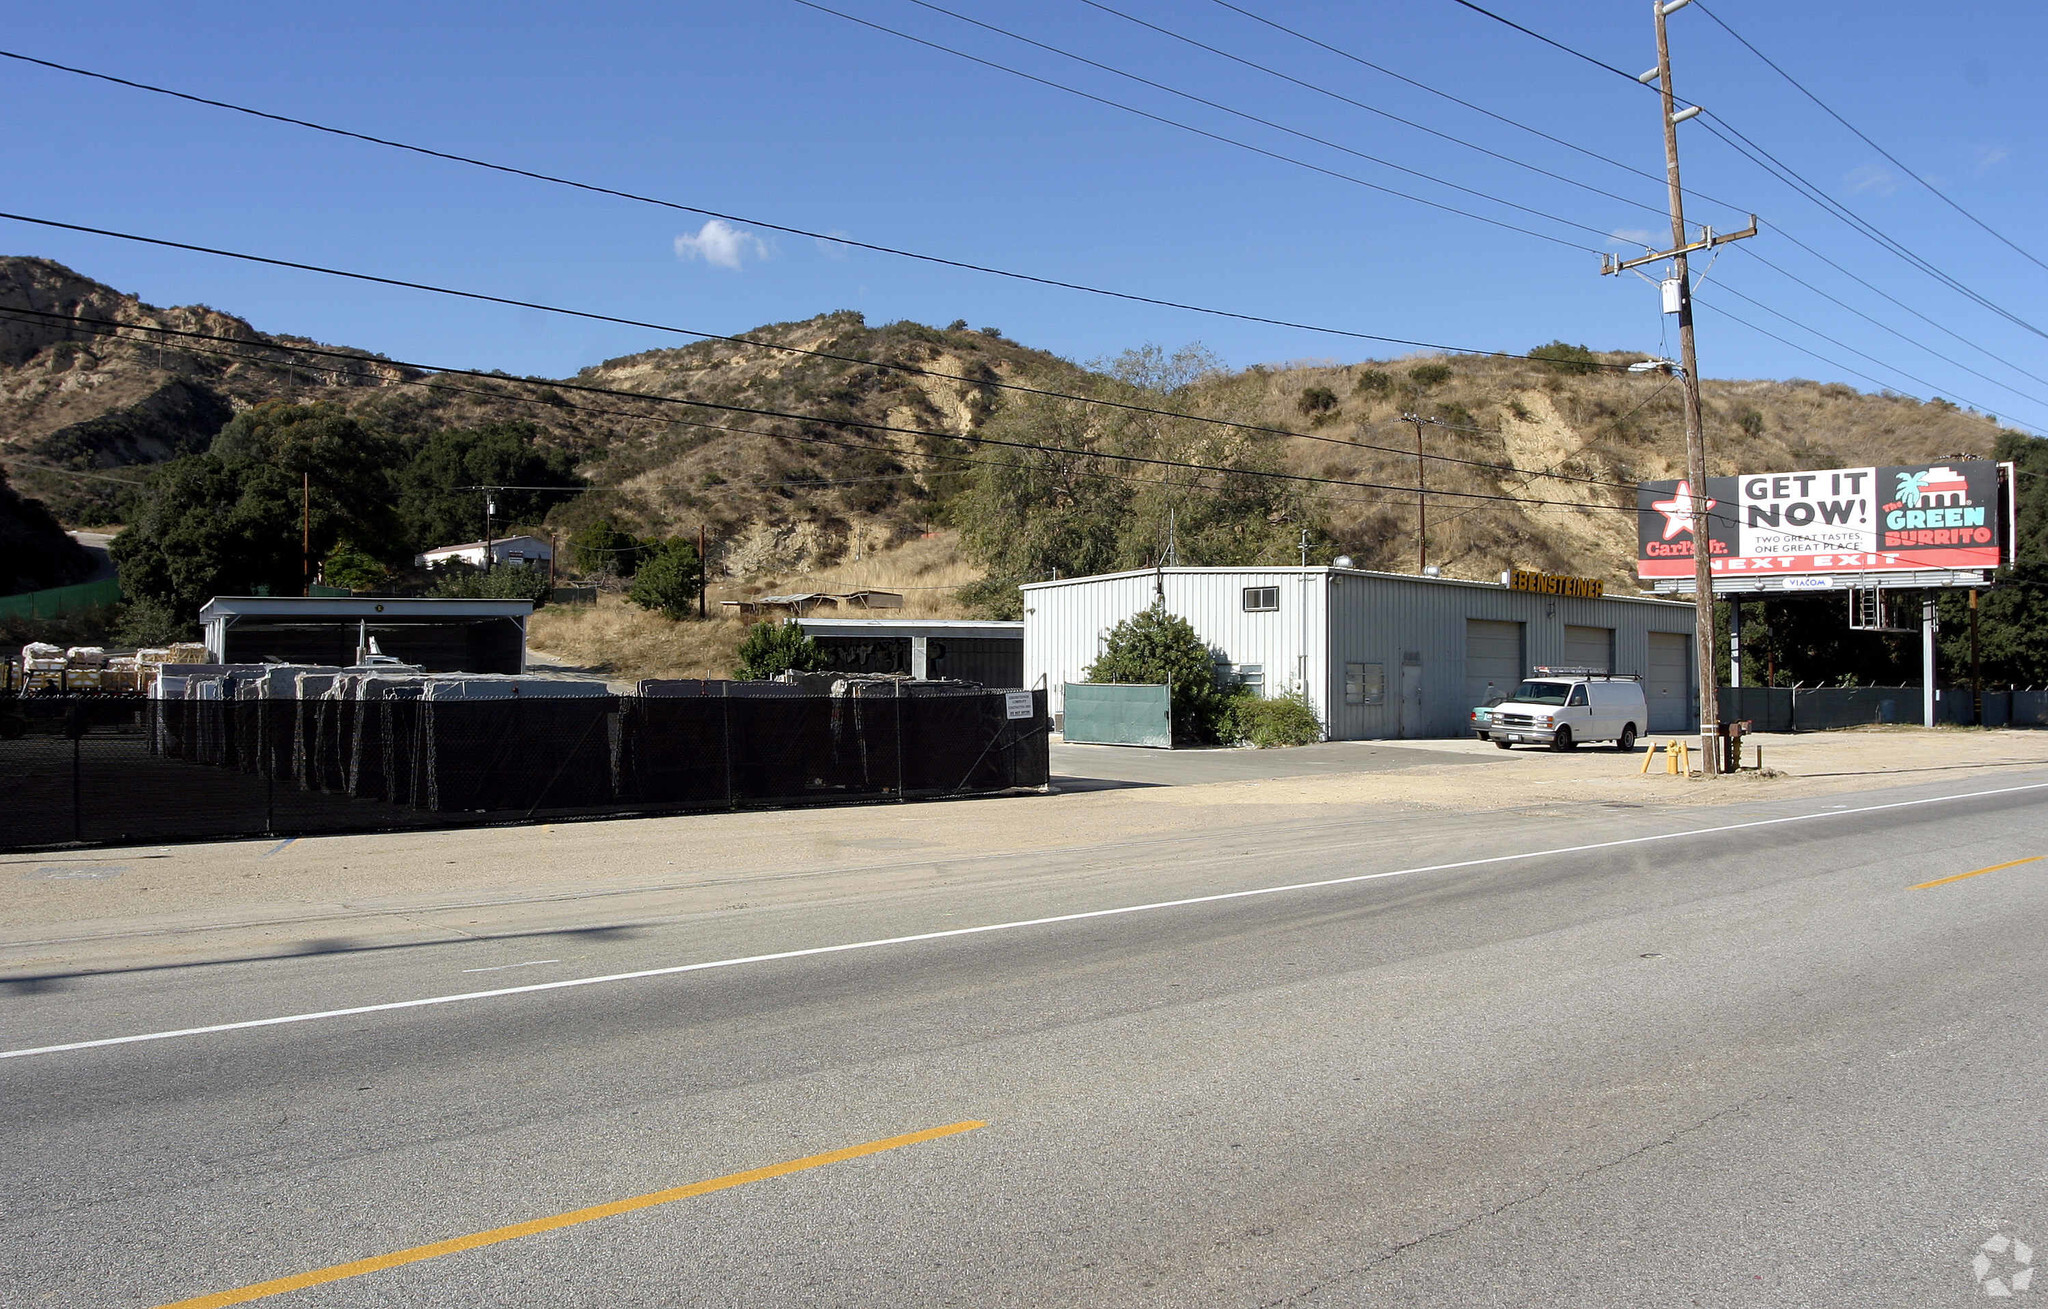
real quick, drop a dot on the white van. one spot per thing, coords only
(1562, 707)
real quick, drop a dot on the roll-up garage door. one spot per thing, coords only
(1589, 647)
(1667, 683)
(1493, 659)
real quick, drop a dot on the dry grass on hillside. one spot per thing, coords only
(628, 642)
(927, 571)
(1605, 428)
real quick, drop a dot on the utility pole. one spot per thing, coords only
(703, 571)
(1421, 500)
(490, 508)
(306, 528)
(1688, 374)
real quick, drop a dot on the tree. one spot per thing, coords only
(669, 582)
(1086, 508)
(228, 522)
(1153, 647)
(347, 566)
(463, 581)
(770, 648)
(602, 549)
(436, 495)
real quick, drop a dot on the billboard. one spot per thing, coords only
(1892, 519)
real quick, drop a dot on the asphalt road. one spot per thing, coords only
(1658, 1064)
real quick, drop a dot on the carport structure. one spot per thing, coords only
(439, 636)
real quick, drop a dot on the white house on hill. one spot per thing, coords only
(518, 551)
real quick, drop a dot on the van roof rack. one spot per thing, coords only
(1571, 670)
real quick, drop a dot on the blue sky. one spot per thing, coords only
(780, 112)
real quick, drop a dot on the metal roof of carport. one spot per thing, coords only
(362, 606)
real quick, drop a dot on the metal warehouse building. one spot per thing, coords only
(1379, 654)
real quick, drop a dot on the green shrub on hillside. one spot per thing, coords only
(1373, 381)
(669, 581)
(1316, 401)
(1572, 360)
(1426, 376)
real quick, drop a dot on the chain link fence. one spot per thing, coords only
(100, 770)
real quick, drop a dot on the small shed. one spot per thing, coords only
(440, 636)
(795, 606)
(990, 653)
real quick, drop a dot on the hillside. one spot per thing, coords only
(786, 496)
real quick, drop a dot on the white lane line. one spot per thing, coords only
(948, 933)
(499, 968)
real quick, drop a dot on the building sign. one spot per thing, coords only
(1528, 579)
(1838, 520)
(1017, 704)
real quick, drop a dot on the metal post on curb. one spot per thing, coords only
(76, 732)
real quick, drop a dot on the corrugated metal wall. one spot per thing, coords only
(1416, 629)
(1066, 622)
(1380, 655)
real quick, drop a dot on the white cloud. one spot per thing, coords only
(1629, 236)
(1871, 178)
(1991, 156)
(833, 249)
(721, 244)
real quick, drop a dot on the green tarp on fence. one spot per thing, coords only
(61, 599)
(1102, 714)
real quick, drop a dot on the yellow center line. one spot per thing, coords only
(1944, 881)
(534, 1227)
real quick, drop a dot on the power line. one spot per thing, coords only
(1487, 499)
(1785, 173)
(1875, 290)
(847, 422)
(1229, 140)
(1844, 345)
(1263, 122)
(764, 224)
(2020, 250)
(1345, 99)
(1756, 154)
(712, 336)
(1467, 104)
(552, 404)
(1555, 45)
(1880, 324)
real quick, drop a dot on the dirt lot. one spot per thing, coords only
(105, 906)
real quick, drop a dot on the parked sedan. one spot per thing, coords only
(1482, 717)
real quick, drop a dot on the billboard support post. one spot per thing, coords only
(1927, 629)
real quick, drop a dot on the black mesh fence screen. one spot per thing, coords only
(1826, 708)
(105, 771)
